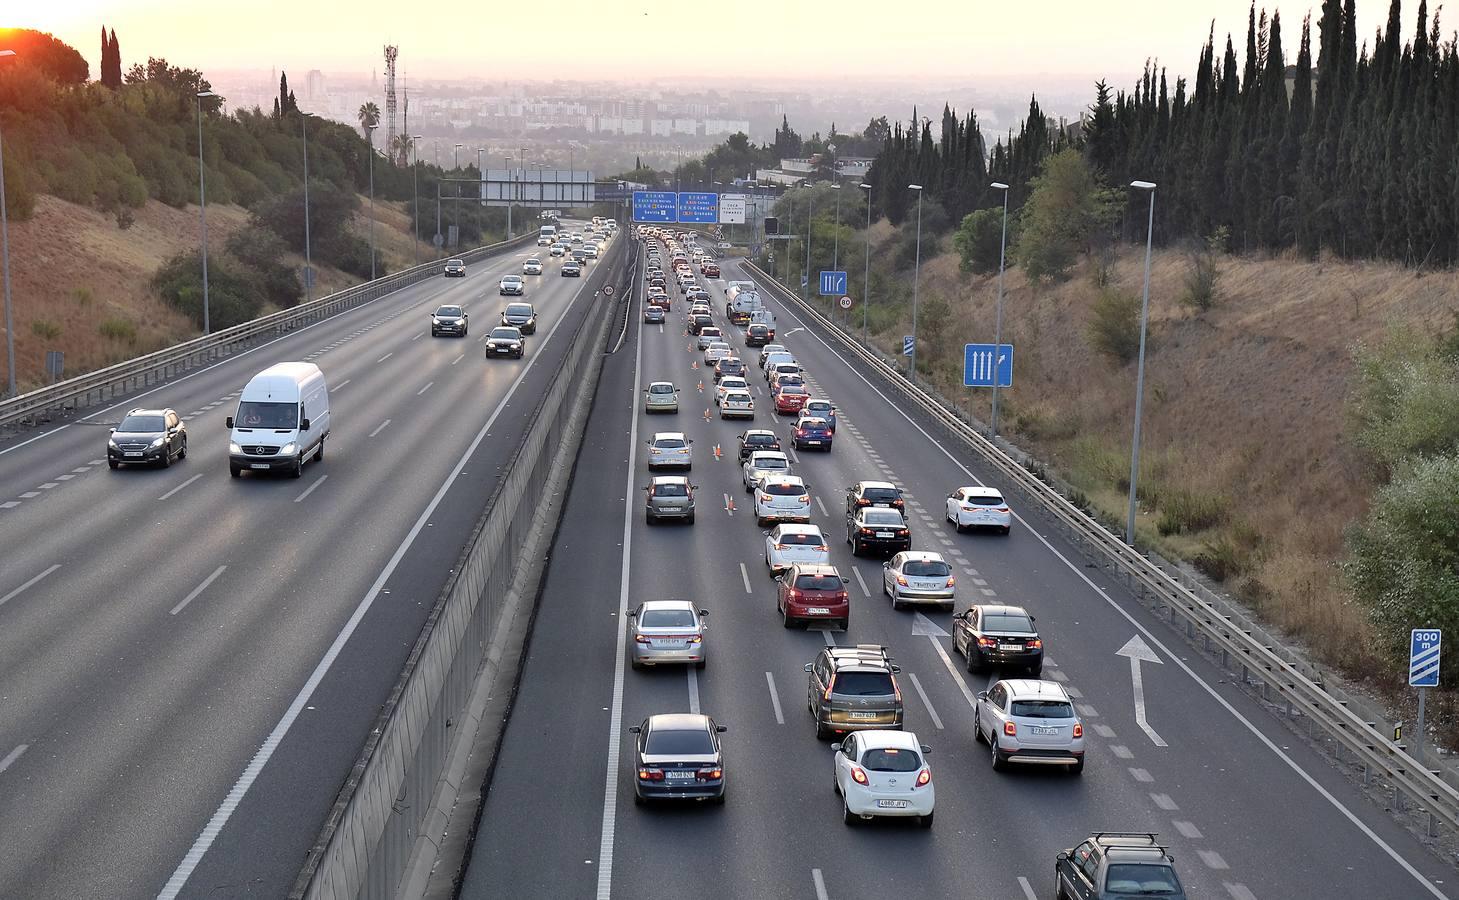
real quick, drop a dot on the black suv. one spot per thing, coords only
(149, 436)
(998, 636)
(757, 439)
(853, 689)
(1116, 864)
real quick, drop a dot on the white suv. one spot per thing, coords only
(782, 498)
(1030, 721)
(763, 463)
(789, 545)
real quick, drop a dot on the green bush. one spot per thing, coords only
(82, 296)
(262, 251)
(979, 241)
(1067, 212)
(1114, 329)
(1405, 400)
(1184, 510)
(117, 330)
(1203, 270)
(45, 329)
(234, 294)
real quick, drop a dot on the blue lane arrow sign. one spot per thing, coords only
(979, 365)
(833, 284)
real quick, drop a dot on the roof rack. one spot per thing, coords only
(1150, 839)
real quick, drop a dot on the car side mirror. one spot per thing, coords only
(982, 695)
(845, 580)
(926, 750)
(703, 613)
(227, 423)
(721, 729)
(886, 565)
(636, 729)
(1061, 856)
(693, 487)
(836, 746)
(631, 613)
(782, 578)
(304, 425)
(896, 670)
(808, 666)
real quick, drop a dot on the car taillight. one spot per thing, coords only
(710, 774)
(641, 638)
(951, 581)
(1010, 729)
(1078, 730)
(826, 695)
(924, 777)
(779, 546)
(822, 549)
(897, 689)
(646, 774)
(1003, 509)
(764, 498)
(865, 530)
(857, 775)
(1035, 644)
(792, 594)
(804, 498)
(987, 643)
(902, 580)
(800, 432)
(863, 502)
(901, 532)
(696, 639)
(970, 508)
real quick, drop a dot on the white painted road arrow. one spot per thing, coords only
(1137, 650)
(923, 626)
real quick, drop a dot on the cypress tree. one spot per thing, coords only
(116, 61)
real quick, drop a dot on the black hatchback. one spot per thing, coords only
(678, 757)
(153, 437)
(1001, 636)
(757, 439)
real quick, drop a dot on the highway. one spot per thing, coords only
(1247, 808)
(189, 663)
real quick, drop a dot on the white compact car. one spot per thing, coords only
(729, 383)
(918, 576)
(661, 396)
(782, 498)
(532, 266)
(670, 449)
(789, 545)
(1030, 721)
(762, 463)
(737, 405)
(979, 507)
(884, 773)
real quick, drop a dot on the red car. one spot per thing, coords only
(790, 399)
(709, 270)
(813, 593)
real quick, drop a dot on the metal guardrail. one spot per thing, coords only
(104, 385)
(1220, 629)
(367, 839)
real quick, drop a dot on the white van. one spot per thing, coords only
(282, 418)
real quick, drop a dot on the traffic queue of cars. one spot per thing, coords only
(852, 693)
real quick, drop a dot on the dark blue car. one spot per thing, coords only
(812, 431)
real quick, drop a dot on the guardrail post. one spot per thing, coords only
(1433, 829)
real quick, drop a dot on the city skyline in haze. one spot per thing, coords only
(1036, 47)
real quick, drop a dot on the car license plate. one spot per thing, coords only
(669, 644)
(1045, 731)
(133, 453)
(817, 611)
(884, 534)
(1014, 647)
(860, 715)
(813, 443)
(258, 465)
(891, 804)
(673, 775)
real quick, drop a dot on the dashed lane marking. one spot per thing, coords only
(15, 593)
(775, 698)
(936, 720)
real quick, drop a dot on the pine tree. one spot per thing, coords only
(116, 61)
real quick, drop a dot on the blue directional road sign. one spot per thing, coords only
(833, 284)
(908, 342)
(978, 365)
(654, 206)
(1423, 657)
(698, 208)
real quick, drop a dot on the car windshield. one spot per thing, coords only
(807, 540)
(782, 489)
(512, 279)
(818, 583)
(881, 495)
(985, 500)
(449, 311)
(252, 414)
(864, 684)
(505, 333)
(733, 383)
(890, 759)
(882, 517)
(758, 329)
(139, 424)
(666, 618)
(1009, 622)
(669, 443)
(709, 332)
(927, 568)
(519, 309)
(671, 489)
(678, 743)
(661, 389)
(738, 397)
(1124, 878)
(455, 262)
(792, 390)
(1043, 709)
(534, 261)
(770, 462)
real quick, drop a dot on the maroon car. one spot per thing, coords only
(813, 593)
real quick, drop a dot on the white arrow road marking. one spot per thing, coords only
(1137, 650)
(921, 625)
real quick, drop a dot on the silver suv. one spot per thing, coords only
(669, 497)
(1029, 721)
(853, 689)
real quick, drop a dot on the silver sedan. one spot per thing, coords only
(667, 632)
(918, 576)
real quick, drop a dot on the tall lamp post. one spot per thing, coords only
(810, 211)
(509, 196)
(370, 130)
(202, 210)
(308, 255)
(916, 278)
(1140, 371)
(415, 188)
(998, 316)
(866, 276)
(5, 252)
(456, 206)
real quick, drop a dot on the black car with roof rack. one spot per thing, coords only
(1116, 865)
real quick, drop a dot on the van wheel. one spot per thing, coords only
(234, 470)
(319, 454)
(298, 469)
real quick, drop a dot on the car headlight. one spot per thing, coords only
(289, 449)
(156, 442)
(516, 345)
(435, 321)
(111, 442)
(234, 448)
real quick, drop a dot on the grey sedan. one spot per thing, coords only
(667, 632)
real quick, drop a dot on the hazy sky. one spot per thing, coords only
(945, 40)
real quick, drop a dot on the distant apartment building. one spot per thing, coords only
(726, 126)
(314, 89)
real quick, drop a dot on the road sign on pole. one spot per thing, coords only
(655, 206)
(1423, 657)
(845, 302)
(698, 207)
(833, 284)
(978, 365)
(908, 341)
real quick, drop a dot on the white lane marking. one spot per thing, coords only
(47, 486)
(29, 495)
(823, 507)
(830, 639)
(9, 504)
(775, 699)
(1087, 711)
(385, 357)
(197, 590)
(1027, 889)
(82, 470)
(342, 384)
(1164, 802)
(790, 452)
(820, 884)
(988, 592)
(693, 689)
(1187, 829)
(64, 477)
(458, 359)
(925, 701)
(745, 574)
(727, 507)
(1073, 692)
(379, 428)
(310, 489)
(615, 719)
(1212, 859)
(1154, 641)
(181, 486)
(1141, 775)
(12, 756)
(1104, 731)
(1121, 751)
(230, 803)
(418, 337)
(15, 593)
(956, 675)
(1238, 891)
(424, 389)
(861, 581)
(97, 462)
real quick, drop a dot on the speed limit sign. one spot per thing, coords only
(845, 302)
(608, 289)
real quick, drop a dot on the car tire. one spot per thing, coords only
(182, 454)
(1077, 768)
(700, 664)
(691, 519)
(112, 464)
(786, 620)
(1006, 529)
(977, 727)
(298, 469)
(845, 624)
(638, 799)
(718, 801)
(649, 519)
(1036, 671)
(926, 821)
(896, 604)
(999, 763)
(856, 548)
(166, 457)
(234, 470)
(634, 664)
(847, 816)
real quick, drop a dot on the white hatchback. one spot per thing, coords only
(737, 405)
(670, 448)
(789, 545)
(884, 773)
(661, 396)
(762, 463)
(782, 498)
(979, 507)
(729, 383)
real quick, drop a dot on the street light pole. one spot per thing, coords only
(998, 316)
(203, 208)
(1140, 371)
(456, 206)
(370, 130)
(509, 197)
(308, 257)
(415, 179)
(5, 252)
(866, 276)
(916, 278)
(809, 212)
